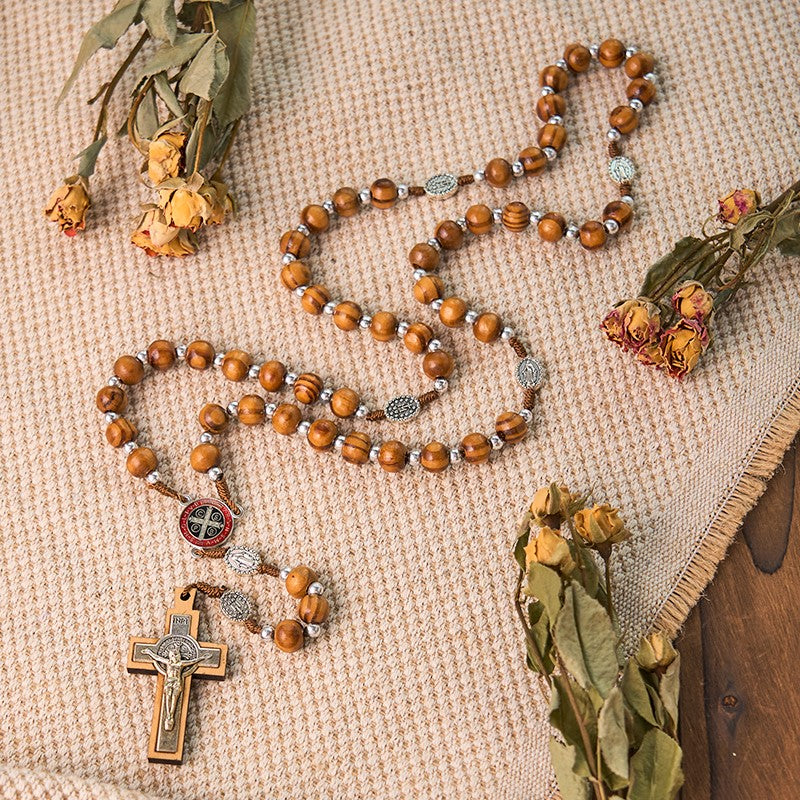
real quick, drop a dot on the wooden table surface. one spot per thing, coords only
(740, 651)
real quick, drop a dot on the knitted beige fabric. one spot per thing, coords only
(419, 687)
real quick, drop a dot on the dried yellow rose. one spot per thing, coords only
(165, 156)
(68, 205)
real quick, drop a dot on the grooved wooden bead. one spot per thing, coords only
(112, 398)
(551, 227)
(383, 193)
(344, 402)
(295, 274)
(161, 355)
(476, 448)
(428, 288)
(205, 456)
(288, 636)
(346, 315)
(611, 53)
(453, 312)
(593, 234)
(438, 365)
(236, 365)
(511, 427)
(554, 77)
(120, 432)
(533, 159)
(424, 256)
(314, 299)
(435, 457)
(479, 218)
(295, 243)
(307, 388)
(642, 90)
(322, 434)
(624, 119)
(417, 337)
(392, 456)
(550, 105)
(142, 461)
(620, 212)
(487, 327)
(345, 201)
(498, 173)
(383, 326)
(449, 234)
(313, 609)
(552, 135)
(129, 370)
(639, 64)
(271, 375)
(516, 216)
(578, 57)
(298, 580)
(355, 449)
(200, 354)
(251, 410)
(213, 418)
(286, 418)
(315, 218)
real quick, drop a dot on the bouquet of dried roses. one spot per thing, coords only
(617, 718)
(668, 325)
(187, 100)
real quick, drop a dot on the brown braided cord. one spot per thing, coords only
(269, 569)
(225, 495)
(416, 191)
(465, 180)
(428, 397)
(529, 400)
(207, 589)
(168, 491)
(376, 416)
(211, 552)
(252, 626)
(613, 149)
(518, 347)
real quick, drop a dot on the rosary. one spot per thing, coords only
(206, 523)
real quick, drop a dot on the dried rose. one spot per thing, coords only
(157, 238)
(682, 346)
(692, 301)
(182, 203)
(612, 324)
(600, 525)
(655, 651)
(550, 548)
(641, 324)
(650, 355)
(736, 204)
(219, 200)
(68, 205)
(165, 156)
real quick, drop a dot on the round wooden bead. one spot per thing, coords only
(453, 312)
(435, 457)
(392, 456)
(438, 365)
(554, 77)
(550, 105)
(129, 370)
(200, 354)
(593, 234)
(620, 212)
(511, 427)
(314, 299)
(213, 418)
(428, 288)
(578, 57)
(236, 365)
(611, 53)
(141, 462)
(298, 580)
(307, 388)
(639, 64)
(476, 448)
(347, 315)
(449, 234)
(286, 418)
(533, 159)
(322, 434)
(487, 327)
(642, 90)
(288, 636)
(251, 410)
(417, 337)
(424, 256)
(355, 448)
(296, 244)
(383, 193)
(161, 355)
(624, 119)
(516, 216)
(271, 375)
(551, 227)
(383, 326)
(112, 398)
(345, 201)
(479, 218)
(120, 432)
(498, 173)
(552, 135)
(205, 456)
(295, 274)
(313, 609)
(315, 218)
(344, 402)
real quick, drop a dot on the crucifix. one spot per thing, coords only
(175, 658)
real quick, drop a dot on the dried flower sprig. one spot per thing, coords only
(617, 718)
(668, 326)
(186, 104)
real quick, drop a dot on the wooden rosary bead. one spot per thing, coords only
(624, 119)
(424, 256)
(533, 159)
(236, 365)
(611, 53)
(347, 315)
(620, 212)
(315, 218)
(383, 193)
(252, 410)
(205, 456)
(161, 355)
(383, 326)
(479, 218)
(428, 288)
(141, 462)
(295, 274)
(345, 201)
(551, 227)
(271, 375)
(286, 418)
(313, 609)
(200, 354)
(213, 418)
(449, 234)
(642, 90)
(476, 448)
(355, 448)
(120, 431)
(498, 173)
(296, 244)
(639, 64)
(322, 434)
(307, 388)
(417, 337)
(453, 312)
(435, 457)
(516, 216)
(112, 398)
(578, 57)
(550, 105)
(554, 77)
(552, 135)
(487, 327)
(314, 299)
(344, 402)
(438, 365)
(593, 234)
(129, 370)
(392, 456)
(511, 427)
(298, 580)
(288, 636)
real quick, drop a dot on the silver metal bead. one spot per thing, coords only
(269, 410)
(402, 328)
(496, 441)
(479, 175)
(362, 411)
(114, 381)
(572, 232)
(611, 226)
(329, 206)
(437, 304)
(527, 415)
(267, 632)
(180, 351)
(290, 379)
(301, 290)
(547, 90)
(462, 223)
(364, 197)
(497, 215)
(413, 457)
(205, 437)
(470, 317)
(561, 64)
(626, 198)
(302, 427)
(325, 395)
(142, 356)
(316, 588)
(556, 119)
(435, 244)
(594, 49)
(329, 308)
(288, 258)
(233, 409)
(218, 359)
(631, 51)
(506, 334)
(153, 477)
(313, 630)
(551, 153)
(441, 385)
(303, 229)
(252, 373)
(110, 416)
(613, 135)
(636, 104)
(374, 451)
(517, 169)
(650, 76)
(338, 442)
(285, 573)
(129, 447)
(536, 217)
(419, 273)
(365, 322)
(214, 474)
(402, 191)
(434, 345)
(456, 455)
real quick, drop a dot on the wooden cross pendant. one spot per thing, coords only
(175, 657)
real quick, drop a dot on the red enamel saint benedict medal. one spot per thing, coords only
(206, 522)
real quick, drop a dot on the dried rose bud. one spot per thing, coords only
(219, 201)
(682, 346)
(736, 204)
(655, 651)
(650, 355)
(157, 238)
(600, 525)
(550, 548)
(68, 205)
(182, 203)
(165, 156)
(612, 324)
(641, 325)
(692, 301)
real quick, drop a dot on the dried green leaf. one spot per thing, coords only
(787, 227)
(209, 145)
(147, 115)
(570, 785)
(545, 584)
(656, 768)
(207, 70)
(746, 225)
(87, 158)
(657, 274)
(170, 99)
(540, 631)
(562, 717)
(669, 690)
(790, 247)
(634, 690)
(611, 730)
(171, 56)
(655, 702)
(523, 533)
(237, 29)
(159, 16)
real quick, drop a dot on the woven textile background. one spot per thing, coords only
(419, 688)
